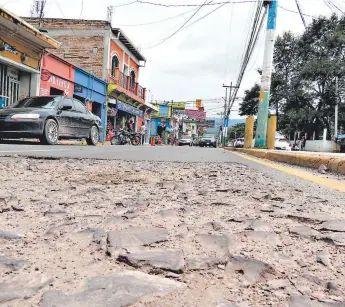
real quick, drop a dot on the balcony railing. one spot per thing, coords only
(125, 82)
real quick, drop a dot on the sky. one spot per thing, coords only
(199, 59)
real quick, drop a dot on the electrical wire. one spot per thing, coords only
(292, 11)
(178, 30)
(154, 22)
(257, 25)
(195, 5)
(335, 6)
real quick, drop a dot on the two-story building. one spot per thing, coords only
(108, 53)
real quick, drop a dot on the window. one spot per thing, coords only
(132, 80)
(68, 102)
(114, 64)
(38, 102)
(79, 106)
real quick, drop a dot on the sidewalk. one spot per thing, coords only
(335, 162)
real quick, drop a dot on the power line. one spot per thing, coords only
(195, 5)
(175, 32)
(292, 11)
(154, 22)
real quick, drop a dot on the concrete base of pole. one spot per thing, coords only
(249, 132)
(271, 131)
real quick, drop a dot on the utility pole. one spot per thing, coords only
(261, 130)
(224, 123)
(336, 108)
(227, 108)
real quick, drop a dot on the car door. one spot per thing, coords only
(66, 118)
(84, 119)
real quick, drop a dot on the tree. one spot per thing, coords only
(303, 90)
(236, 131)
(250, 103)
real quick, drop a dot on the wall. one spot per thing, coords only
(62, 76)
(78, 44)
(319, 146)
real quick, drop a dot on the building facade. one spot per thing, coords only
(59, 77)
(21, 51)
(109, 54)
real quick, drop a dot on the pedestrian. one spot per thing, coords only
(143, 133)
(303, 142)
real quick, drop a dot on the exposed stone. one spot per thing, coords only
(9, 236)
(168, 213)
(253, 270)
(322, 169)
(331, 285)
(335, 238)
(88, 236)
(9, 265)
(277, 284)
(115, 290)
(54, 212)
(260, 195)
(216, 243)
(205, 263)
(258, 225)
(335, 225)
(305, 232)
(4, 206)
(315, 218)
(214, 226)
(324, 258)
(114, 220)
(305, 301)
(170, 260)
(134, 237)
(268, 237)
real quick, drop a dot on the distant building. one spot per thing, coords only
(215, 130)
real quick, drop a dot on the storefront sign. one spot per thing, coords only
(129, 109)
(195, 114)
(78, 88)
(45, 75)
(210, 123)
(10, 49)
(179, 106)
(163, 111)
(61, 83)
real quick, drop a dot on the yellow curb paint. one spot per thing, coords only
(329, 183)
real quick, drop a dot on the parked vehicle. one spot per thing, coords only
(185, 140)
(123, 137)
(49, 118)
(239, 143)
(208, 140)
(282, 143)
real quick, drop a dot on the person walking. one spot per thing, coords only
(143, 133)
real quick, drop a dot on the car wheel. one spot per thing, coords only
(51, 132)
(93, 137)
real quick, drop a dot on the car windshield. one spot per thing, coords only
(186, 137)
(208, 136)
(37, 102)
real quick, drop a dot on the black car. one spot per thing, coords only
(49, 118)
(208, 140)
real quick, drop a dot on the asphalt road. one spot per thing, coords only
(162, 154)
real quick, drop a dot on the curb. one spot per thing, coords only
(334, 164)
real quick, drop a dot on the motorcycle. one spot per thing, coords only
(124, 137)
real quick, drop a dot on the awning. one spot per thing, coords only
(129, 109)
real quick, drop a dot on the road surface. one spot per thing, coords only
(165, 226)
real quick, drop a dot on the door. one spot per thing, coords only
(84, 119)
(66, 118)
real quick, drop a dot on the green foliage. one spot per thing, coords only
(303, 90)
(236, 131)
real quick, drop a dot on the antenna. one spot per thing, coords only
(110, 11)
(37, 10)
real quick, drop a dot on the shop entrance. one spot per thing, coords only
(56, 92)
(96, 109)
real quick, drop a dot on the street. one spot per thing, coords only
(164, 226)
